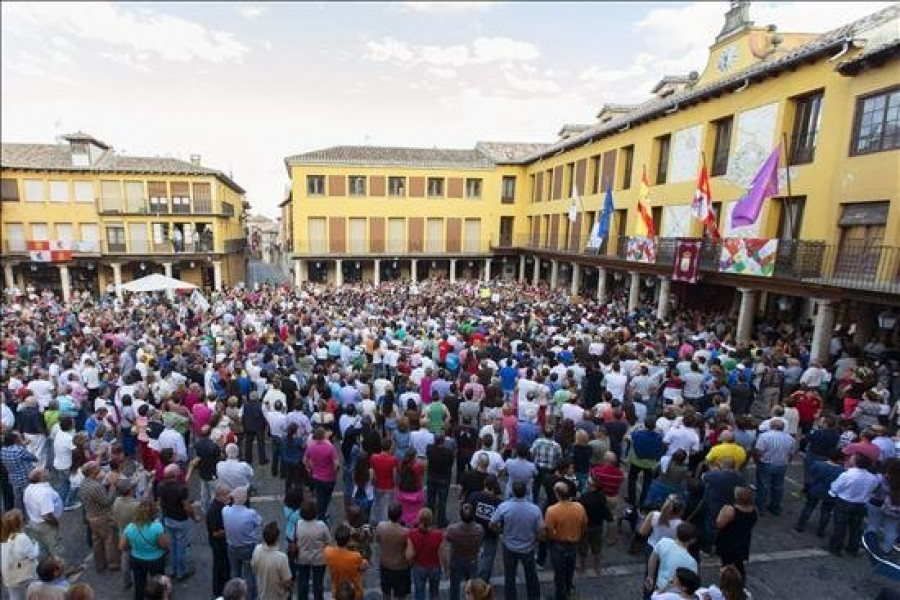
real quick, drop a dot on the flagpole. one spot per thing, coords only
(787, 173)
(708, 200)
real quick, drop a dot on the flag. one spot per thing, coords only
(764, 185)
(573, 206)
(687, 260)
(644, 225)
(49, 250)
(702, 205)
(606, 215)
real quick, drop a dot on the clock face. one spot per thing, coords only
(727, 59)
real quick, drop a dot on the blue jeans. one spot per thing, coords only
(460, 571)
(318, 581)
(486, 559)
(323, 491)
(178, 532)
(426, 577)
(239, 557)
(879, 520)
(63, 485)
(511, 562)
(436, 499)
(770, 487)
(824, 513)
(383, 501)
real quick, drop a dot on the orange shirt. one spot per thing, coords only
(344, 565)
(565, 521)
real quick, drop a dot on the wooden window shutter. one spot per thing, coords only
(539, 186)
(376, 235)
(376, 186)
(558, 182)
(157, 189)
(609, 169)
(455, 187)
(416, 234)
(337, 236)
(416, 187)
(581, 176)
(454, 234)
(337, 185)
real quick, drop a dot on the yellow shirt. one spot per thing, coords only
(727, 450)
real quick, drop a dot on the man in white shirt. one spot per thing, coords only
(420, 439)
(63, 445)
(233, 472)
(616, 382)
(495, 461)
(851, 490)
(42, 390)
(814, 375)
(169, 438)
(43, 507)
(681, 436)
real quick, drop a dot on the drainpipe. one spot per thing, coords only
(626, 128)
(844, 50)
(673, 109)
(744, 86)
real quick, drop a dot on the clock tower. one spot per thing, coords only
(736, 19)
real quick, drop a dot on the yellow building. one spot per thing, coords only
(122, 216)
(833, 100)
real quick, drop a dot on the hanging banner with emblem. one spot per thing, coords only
(687, 260)
(50, 250)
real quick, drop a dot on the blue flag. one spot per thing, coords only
(606, 215)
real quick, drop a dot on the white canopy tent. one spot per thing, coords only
(157, 283)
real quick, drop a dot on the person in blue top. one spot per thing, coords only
(508, 374)
(521, 522)
(146, 542)
(822, 474)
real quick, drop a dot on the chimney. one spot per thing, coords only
(195, 160)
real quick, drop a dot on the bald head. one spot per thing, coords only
(562, 490)
(777, 425)
(610, 458)
(726, 437)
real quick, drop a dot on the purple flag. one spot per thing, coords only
(764, 185)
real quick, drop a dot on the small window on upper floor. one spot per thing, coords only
(397, 186)
(357, 185)
(435, 187)
(876, 127)
(315, 185)
(628, 166)
(10, 190)
(662, 164)
(473, 188)
(508, 188)
(722, 146)
(807, 116)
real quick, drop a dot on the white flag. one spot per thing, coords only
(573, 206)
(594, 241)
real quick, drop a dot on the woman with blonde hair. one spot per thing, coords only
(146, 542)
(662, 523)
(18, 553)
(581, 458)
(479, 589)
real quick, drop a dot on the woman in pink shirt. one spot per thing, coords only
(410, 494)
(323, 463)
(201, 414)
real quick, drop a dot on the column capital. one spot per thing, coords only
(823, 302)
(664, 277)
(746, 290)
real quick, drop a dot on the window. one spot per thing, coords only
(722, 146)
(90, 237)
(790, 218)
(34, 190)
(59, 191)
(569, 181)
(15, 237)
(662, 164)
(159, 197)
(397, 186)
(181, 197)
(877, 124)
(508, 189)
(595, 169)
(315, 185)
(40, 232)
(10, 189)
(111, 197)
(227, 209)
(628, 160)
(807, 115)
(473, 188)
(202, 197)
(84, 191)
(435, 187)
(357, 185)
(115, 238)
(65, 232)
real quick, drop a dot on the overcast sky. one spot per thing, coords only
(246, 84)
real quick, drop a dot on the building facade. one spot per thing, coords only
(525, 210)
(121, 217)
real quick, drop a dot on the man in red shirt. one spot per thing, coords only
(809, 406)
(444, 348)
(384, 465)
(610, 478)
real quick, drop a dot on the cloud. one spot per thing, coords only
(127, 60)
(442, 72)
(482, 50)
(125, 29)
(251, 11)
(531, 85)
(446, 8)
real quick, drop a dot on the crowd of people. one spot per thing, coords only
(559, 424)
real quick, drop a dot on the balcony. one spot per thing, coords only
(161, 206)
(400, 247)
(82, 248)
(149, 247)
(859, 265)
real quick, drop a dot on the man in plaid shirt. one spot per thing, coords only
(546, 453)
(18, 462)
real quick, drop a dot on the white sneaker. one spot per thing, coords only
(75, 506)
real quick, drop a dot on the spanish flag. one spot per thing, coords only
(644, 226)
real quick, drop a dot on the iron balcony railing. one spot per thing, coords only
(861, 265)
(19, 246)
(162, 206)
(390, 247)
(147, 247)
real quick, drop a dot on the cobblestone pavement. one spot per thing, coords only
(784, 564)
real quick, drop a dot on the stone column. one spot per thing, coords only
(662, 303)
(522, 268)
(376, 278)
(117, 278)
(536, 274)
(217, 275)
(824, 327)
(339, 272)
(487, 270)
(414, 269)
(8, 278)
(452, 270)
(576, 278)
(601, 285)
(65, 283)
(299, 266)
(745, 315)
(167, 271)
(554, 273)
(634, 291)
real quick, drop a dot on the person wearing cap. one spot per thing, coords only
(97, 494)
(243, 531)
(123, 509)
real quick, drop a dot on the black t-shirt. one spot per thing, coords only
(214, 521)
(473, 482)
(171, 496)
(440, 462)
(209, 454)
(595, 506)
(484, 504)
